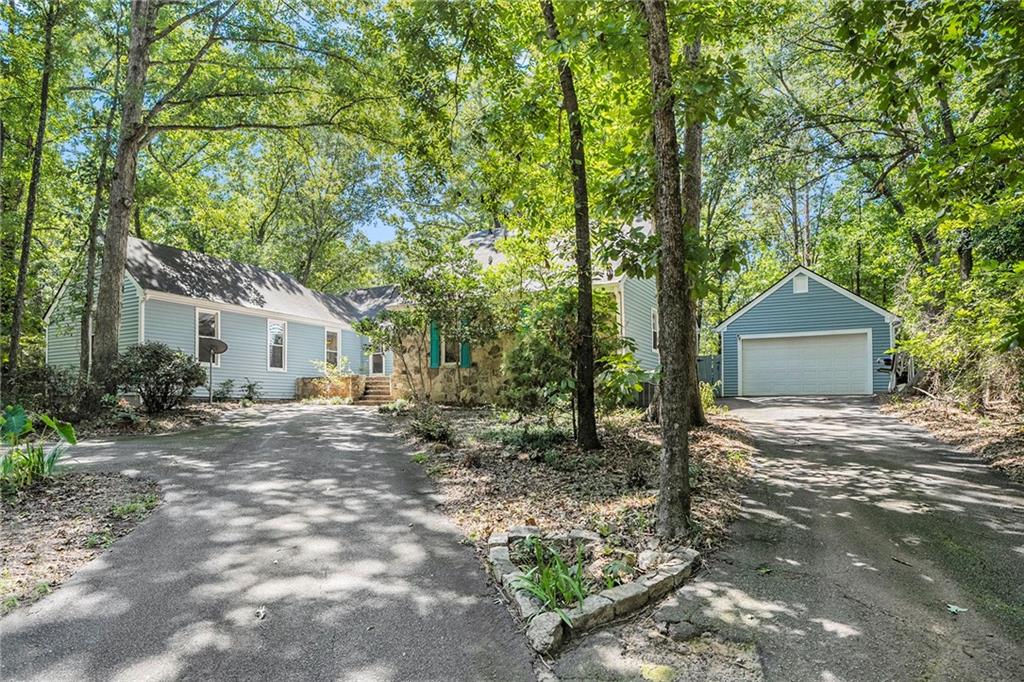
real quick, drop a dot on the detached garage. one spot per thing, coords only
(806, 335)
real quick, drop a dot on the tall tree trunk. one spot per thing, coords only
(18, 310)
(964, 247)
(85, 327)
(674, 308)
(122, 190)
(693, 138)
(585, 405)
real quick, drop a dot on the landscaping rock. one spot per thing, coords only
(595, 610)
(581, 536)
(683, 630)
(500, 562)
(520, 532)
(687, 555)
(672, 613)
(648, 559)
(627, 597)
(508, 580)
(546, 632)
(527, 605)
(659, 584)
(498, 540)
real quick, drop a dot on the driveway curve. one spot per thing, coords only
(316, 514)
(860, 537)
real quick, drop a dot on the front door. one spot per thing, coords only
(377, 362)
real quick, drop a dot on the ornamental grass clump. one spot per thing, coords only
(554, 582)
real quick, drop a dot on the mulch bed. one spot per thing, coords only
(996, 437)
(488, 486)
(50, 530)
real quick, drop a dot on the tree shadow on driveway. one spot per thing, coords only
(316, 515)
(857, 534)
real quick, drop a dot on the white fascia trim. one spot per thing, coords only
(832, 332)
(801, 270)
(242, 310)
(56, 299)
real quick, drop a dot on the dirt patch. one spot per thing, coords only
(491, 481)
(50, 530)
(998, 438)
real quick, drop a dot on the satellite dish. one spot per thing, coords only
(211, 348)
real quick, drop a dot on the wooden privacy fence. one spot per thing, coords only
(708, 372)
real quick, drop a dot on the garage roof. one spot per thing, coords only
(801, 270)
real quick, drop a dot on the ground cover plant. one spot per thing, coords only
(501, 475)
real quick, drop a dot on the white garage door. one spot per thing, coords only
(833, 364)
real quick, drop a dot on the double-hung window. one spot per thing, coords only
(331, 348)
(654, 328)
(449, 351)
(207, 327)
(277, 345)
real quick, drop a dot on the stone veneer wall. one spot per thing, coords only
(349, 387)
(475, 385)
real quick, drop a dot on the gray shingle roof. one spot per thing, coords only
(157, 267)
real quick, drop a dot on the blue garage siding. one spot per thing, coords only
(63, 329)
(640, 296)
(352, 349)
(820, 309)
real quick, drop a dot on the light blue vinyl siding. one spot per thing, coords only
(352, 349)
(171, 323)
(820, 309)
(63, 330)
(639, 298)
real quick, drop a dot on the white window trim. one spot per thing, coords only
(655, 330)
(458, 353)
(327, 330)
(220, 333)
(284, 346)
(832, 332)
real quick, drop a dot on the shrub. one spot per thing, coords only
(707, 398)
(117, 411)
(429, 423)
(163, 377)
(527, 438)
(59, 392)
(28, 462)
(399, 406)
(251, 390)
(224, 390)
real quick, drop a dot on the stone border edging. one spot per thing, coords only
(546, 630)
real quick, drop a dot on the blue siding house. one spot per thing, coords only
(276, 329)
(806, 335)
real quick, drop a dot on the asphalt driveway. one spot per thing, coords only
(315, 513)
(856, 534)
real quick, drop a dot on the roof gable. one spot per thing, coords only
(801, 270)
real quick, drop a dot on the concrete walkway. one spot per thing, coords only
(856, 534)
(315, 513)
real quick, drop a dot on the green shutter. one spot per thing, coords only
(435, 346)
(464, 358)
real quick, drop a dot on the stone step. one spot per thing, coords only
(381, 392)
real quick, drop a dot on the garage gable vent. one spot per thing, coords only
(800, 284)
